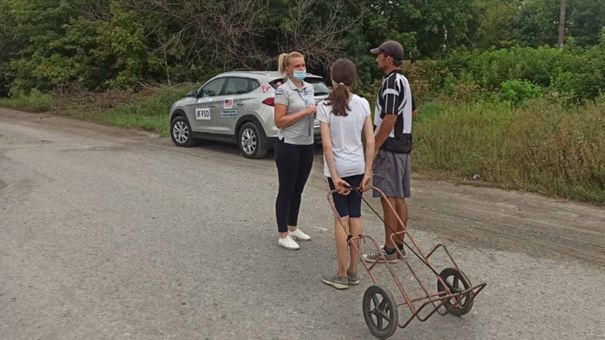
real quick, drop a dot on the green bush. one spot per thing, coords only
(574, 73)
(518, 91)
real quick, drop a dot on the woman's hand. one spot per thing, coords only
(341, 186)
(310, 110)
(366, 182)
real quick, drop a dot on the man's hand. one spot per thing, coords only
(387, 125)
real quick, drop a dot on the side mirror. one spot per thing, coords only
(192, 93)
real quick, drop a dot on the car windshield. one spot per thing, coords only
(319, 87)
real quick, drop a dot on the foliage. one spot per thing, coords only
(495, 24)
(11, 42)
(541, 146)
(62, 44)
(537, 20)
(146, 109)
(35, 101)
(574, 73)
(518, 91)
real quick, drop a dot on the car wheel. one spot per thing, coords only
(180, 131)
(252, 141)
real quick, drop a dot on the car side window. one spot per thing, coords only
(213, 88)
(237, 86)
(253, 85)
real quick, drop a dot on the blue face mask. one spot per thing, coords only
(300, 74)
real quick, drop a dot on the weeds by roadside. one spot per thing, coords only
(540, 146)
(36, 101)
(147, 109)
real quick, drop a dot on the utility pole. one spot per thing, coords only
(562, 23)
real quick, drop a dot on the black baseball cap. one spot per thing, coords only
(390, 47)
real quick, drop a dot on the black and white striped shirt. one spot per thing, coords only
(395, 97)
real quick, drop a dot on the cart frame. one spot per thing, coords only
(449, 297)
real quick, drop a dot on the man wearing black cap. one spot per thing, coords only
(393, 121)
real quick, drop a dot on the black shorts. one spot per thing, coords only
(349, 205)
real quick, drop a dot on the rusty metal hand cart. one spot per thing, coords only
(455, 294)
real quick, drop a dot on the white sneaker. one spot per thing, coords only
(288, 243)
(299, 235)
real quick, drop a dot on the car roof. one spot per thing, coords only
(259, 74)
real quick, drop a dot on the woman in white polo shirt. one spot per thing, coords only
(294, 116)
(345, 118)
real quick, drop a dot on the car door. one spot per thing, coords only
(237, 101)
(203, 112)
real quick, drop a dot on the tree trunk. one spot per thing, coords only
(562, 24)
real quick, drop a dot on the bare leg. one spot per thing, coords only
(342, 251)
(402, 211)
(391, 220)
(355, 225)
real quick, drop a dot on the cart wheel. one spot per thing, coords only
(457, 282)
(380, 311)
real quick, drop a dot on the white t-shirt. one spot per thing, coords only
(345, 133)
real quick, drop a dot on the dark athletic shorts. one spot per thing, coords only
(349, 205)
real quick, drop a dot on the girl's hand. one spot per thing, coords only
(366, 182)
(341, 186)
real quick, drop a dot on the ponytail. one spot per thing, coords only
(344, 74)
(284, 59)
(281, 63)
(339, 99)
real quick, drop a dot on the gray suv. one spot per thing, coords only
(234, 107)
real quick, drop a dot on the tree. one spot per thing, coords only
(536, 23)
(562, 8)
(495, 23)
(425, 28)
(12, 44)
(316, 28)
(38, 23)
(585, 20)
(546, 22)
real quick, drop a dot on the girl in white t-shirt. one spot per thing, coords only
(345, 118)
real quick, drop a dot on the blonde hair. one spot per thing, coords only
(284, 59)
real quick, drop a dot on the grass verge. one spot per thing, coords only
(34, 102)
(147, 109)
(540, 147)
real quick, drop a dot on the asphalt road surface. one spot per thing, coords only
(108, 233)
